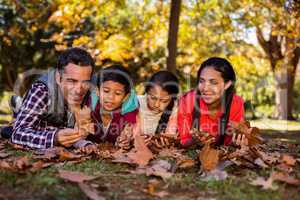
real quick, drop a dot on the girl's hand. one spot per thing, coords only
(161, 142)
(240, 140)
(147, 139)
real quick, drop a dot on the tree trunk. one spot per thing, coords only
(172, 36)
(284, 82)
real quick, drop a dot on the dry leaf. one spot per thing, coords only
(251, 133)
(84, 121)
(39, 165)
(209, 158)
(141, 153)
(4, 155)
(90, 192)
(46, 154)
(183, 164)
(5, 165)
(77, 177)
(284, 177)
(289, 160)
(21, 163)
(266, 184)
(160, 168)
(64, 155)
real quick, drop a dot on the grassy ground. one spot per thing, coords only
(116, 182)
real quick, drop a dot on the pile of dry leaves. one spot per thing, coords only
(164, 161)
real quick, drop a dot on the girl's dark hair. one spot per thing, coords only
(116, 73)
(168, 82)
(227, 72)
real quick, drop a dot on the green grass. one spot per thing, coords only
(115, 182)
(276, 125)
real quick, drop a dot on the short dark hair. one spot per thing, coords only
(116, 73)
(75, 55)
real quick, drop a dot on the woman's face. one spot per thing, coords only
(112, 95)
(212, 85)
(158, 99)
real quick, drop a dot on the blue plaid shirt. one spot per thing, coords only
(30, 129)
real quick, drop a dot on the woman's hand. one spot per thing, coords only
(240, 140)
(202, 137)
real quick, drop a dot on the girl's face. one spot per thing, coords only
(112, 95)
(212, 85)
(158, 99)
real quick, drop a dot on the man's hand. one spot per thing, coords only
(67, 137)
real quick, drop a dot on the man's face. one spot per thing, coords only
(74, 82)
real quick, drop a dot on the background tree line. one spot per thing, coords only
(260, 37)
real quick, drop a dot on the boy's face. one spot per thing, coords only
(74, 82)
(112, 95)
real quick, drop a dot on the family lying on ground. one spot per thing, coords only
(46, 118)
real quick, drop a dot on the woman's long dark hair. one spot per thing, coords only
(227, 72)
(168, 82)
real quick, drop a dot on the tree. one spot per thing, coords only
(172, 36)
(278, 34)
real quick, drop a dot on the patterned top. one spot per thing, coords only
(30, 128)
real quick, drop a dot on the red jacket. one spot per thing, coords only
(207, 123)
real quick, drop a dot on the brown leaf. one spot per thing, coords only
(21, 163)
(84, 121)
(209, 158)
(5, 165)
(183, 164)
(284, 167)
(160, 168)
(4, 155)
(90, 192)
(77, 177)
(39, 165)
(284, 177)
(289, 160)
(46, 154)
(141, 153)
(251, 133)
(66, 155)
(266, 184)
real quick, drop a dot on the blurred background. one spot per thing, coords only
(261, 38)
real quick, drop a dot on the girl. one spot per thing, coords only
(211, 106)
(111, 112)
(158, 107)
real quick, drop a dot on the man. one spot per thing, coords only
(45, 119)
